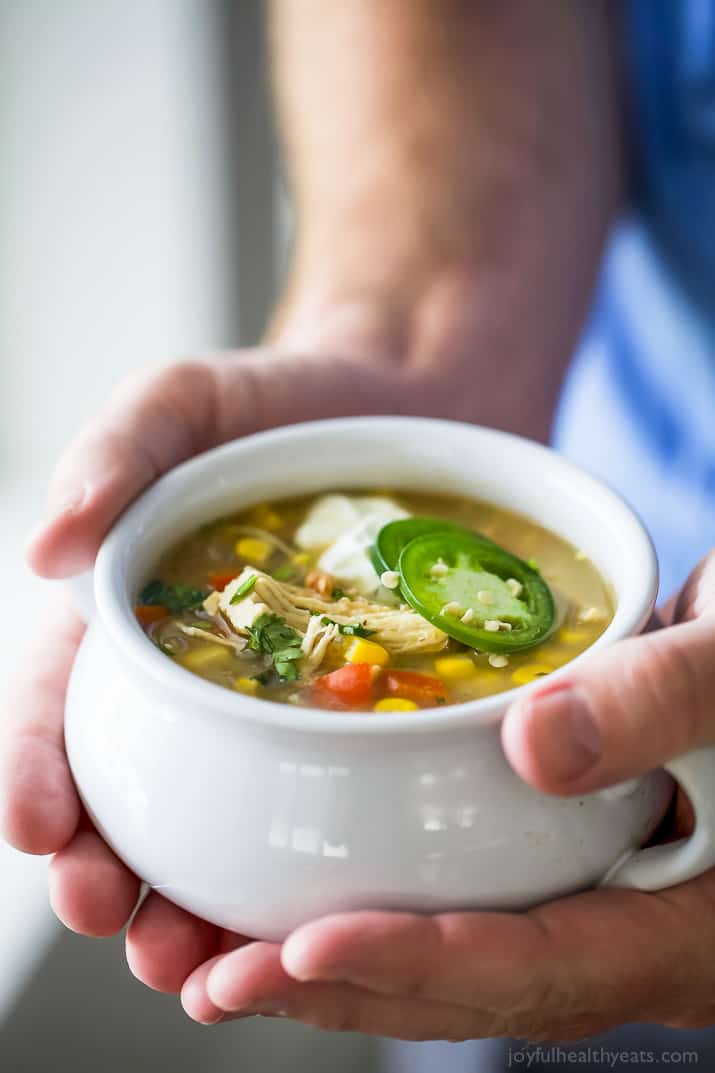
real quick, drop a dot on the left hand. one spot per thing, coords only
(566, 969)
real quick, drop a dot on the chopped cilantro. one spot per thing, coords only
(244, 588)
(355, 629)
(284, 573)
(175, 597)
(271, 634)
(337, 593)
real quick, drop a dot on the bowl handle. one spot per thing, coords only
(81, 590)
(664, 866)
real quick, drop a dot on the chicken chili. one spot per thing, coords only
(373, 602)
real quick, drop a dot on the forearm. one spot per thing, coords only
(454, 168)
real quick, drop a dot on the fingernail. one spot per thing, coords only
(564, 733)
(264, 1010)
(216, 1020)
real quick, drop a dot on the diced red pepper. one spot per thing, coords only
(350, 686)
(148, 614)
(220, 579)
(411, 685)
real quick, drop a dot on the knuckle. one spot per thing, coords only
(697, 597)
(436, 939)
(179, 380)
(679, 663)
(666, 676)
(133, 383)
(693, 705)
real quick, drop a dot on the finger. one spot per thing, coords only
(194, 993)
(444, 958)
(252, 981)
(91, 891)
(194, 996)
(153, 422)
(165, 944)
(627, 711)
(697, 597)
(162, 418)
(39, 807)
(571, 967)
(620, 714)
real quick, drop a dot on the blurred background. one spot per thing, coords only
(141, 219)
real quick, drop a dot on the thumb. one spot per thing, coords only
(625, 712)
(159, 419)
(153, 421)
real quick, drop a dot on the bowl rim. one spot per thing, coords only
(115, 613)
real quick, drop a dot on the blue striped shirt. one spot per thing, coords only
(639, 403)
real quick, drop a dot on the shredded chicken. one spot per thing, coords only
(397, 629)
(211, 603)
(318, 638)
(237, 643)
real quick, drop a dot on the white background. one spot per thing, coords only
(122, 126)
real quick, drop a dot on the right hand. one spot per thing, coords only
(150, 425)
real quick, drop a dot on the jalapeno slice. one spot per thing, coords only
(393, 537)
(481, 577)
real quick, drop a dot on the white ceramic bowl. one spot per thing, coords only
(260, 816)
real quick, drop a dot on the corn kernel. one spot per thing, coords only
(256, 551)
(454, 667)
(572, 637)
(246, 685)
(301, 558)
(364, 651)
(528, 672)
(208, 655)
(395, 704)
(264, 516)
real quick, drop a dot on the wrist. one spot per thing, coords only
(467, 344)
(423, 344)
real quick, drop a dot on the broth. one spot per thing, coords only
(187, 613)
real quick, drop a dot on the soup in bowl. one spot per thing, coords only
(288, 700)
(376, 601)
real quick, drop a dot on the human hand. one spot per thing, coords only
(564, 970)
(334, 355)
(151, 424)
(494, 261)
